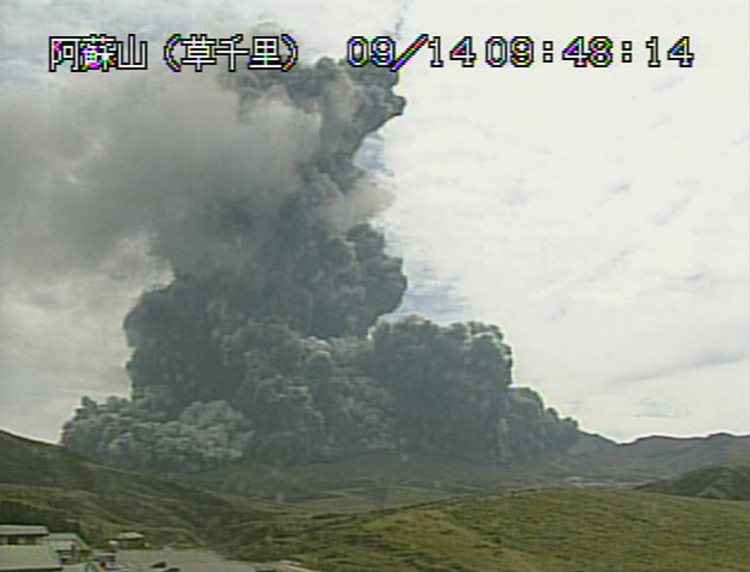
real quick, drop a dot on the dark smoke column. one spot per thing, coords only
(258, 348)
(302, 267)
(279, 260)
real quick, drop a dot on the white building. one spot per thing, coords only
(21, 534)
(29, 558)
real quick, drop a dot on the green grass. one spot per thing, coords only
(334, 528)
(547, 530)
(41, 483)
(418, 477)
(728, 482)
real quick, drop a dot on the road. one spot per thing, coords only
(186, 560)
(191, 561)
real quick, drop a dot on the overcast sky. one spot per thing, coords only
(598, 216)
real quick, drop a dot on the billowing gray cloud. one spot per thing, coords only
(104, 178)
(541, 259)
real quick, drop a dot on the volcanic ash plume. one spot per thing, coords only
(258, 348)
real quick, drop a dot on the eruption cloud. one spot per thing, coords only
(265, 344)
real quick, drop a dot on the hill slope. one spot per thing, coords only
(381, 479)
(649, 458)
(41, 483)
(727, 482)
(550, 530)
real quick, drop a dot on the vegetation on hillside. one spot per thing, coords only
(554, 530)
(728, 482)
(45, 484)
(549, 529)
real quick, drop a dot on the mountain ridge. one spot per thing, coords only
(593, 459)
(390, 526)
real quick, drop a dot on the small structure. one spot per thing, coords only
(292, 566)
(21, 534)
(280, 566)
(70, 548)
(105, 562)
(130, 540)
(28, 559)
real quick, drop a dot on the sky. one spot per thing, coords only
(598, 216)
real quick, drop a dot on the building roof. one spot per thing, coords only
(65, 539)
(28, 559)
(99, 555)
(22, 530)
(62, 545)
(129, 536)
(64, 536)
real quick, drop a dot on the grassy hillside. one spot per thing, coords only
(42, 483)
(550, 530)
(669, 456)
(727, 482)
(378, 480)
(369, 481)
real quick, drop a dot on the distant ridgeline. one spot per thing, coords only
(259, 348)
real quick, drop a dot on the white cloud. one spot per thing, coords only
(598, 215)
